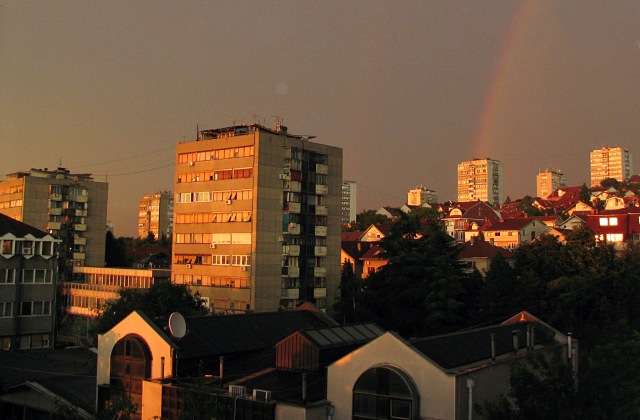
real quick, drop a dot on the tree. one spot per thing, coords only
(349, 290)
(161, 299)
(367, 218)
(610, 182)
(117, 409)
(585, 194)
(115, 252)
(420, 291)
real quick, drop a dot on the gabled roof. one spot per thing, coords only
(479, 248)
(351, 236)
(338, 335)
(375, 252)
(481, 211)
(18, 229)
(511, 224)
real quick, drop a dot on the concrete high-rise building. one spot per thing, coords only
(421, 196)
(548, 181)
(349, 210)
(71, 207)
(257, 218)
(610, 162)
(481, 179)
(155, 215)
(28, 273)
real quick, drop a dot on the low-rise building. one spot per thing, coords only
(511, 233)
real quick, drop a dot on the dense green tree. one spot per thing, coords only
(585, 194)
(365, 219)
(543, 257)
(115, 252)
(117, 409)
(526, 205)
(345, 307)
(420, 291)
(610, 182)
(161, 299)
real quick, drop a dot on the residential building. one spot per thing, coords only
(28, 273)
(155, 215)
(464, 220)
(349, 201)
(69, 206)
(477, 254)
(421, 196)
(616, 226)
(610, 162)
(257, 218)
(511, 233)
(548, 181)
(481, 179)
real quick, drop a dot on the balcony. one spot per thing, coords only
(322, 169)
(293, 229)
(295, 186)
(322, 189)
(291, 250)
(82, 213)
(77, 240)
(290, 271)
(79, 198)
(294, 207)
(320, 251)
(320, 292)
(54, 226)
(291, 293)
(322, 210)
(55, 197)
(320, 231)
(319, 271)
(80, 227)
(78, 255)
(55, 211)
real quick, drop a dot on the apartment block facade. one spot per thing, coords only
(610, 162)
(70, 207)
(421, 196)
(28, 273)
(349, 201)
(257, 219)
(481, 179)
(548, 181)
(155, 215)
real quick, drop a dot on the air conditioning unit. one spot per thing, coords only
(212, 157)
(213, 246)
(229, 201)
(261, 395)
(244, 268)
(191, 163)
(188, 265)
(237, 390)
(282, 176)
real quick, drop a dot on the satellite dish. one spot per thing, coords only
(177, 325)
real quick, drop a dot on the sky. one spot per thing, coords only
(408, 89)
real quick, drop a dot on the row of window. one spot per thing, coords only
(608, 221)
(11, 190)
(34, 341)
(237, 260)
(294, 283)
(215, 281)
(218, 175)
(8, 275)
(12, 247)
(10, 204)
(213, 238)
(27, 308)
(206, 196)
(228, 153)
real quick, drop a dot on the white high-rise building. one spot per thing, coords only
(610, 162)
(349, 211)
(548, 181)
(421, 196)
(481, 180)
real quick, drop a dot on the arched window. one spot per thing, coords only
(385, 392)
(130, 364)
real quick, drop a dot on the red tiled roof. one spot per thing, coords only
(351, 236)
(479, 248)
(373, 253)
(511, 224)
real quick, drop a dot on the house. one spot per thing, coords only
(511, 233)
(373, 260)
(393, 213)
(616, 226)
(575, 221)
(438, 377)
(478, 253)
(466, 218)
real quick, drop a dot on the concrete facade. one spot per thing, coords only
(481, 179)
(257, 219)
(610, 162)
(155, 215)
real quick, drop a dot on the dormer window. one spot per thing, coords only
(7, 247)
(27, 248)
(47, 248)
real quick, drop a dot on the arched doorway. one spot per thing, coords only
(130, 364)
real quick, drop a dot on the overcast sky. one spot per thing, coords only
(408, 89)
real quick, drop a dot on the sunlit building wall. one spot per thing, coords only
(349, 203)
(549, 181)
(421, 196)
(610, 162)
(257, 219)
(481, 179)
(155, 215)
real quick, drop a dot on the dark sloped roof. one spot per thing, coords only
(69, 373)
(512, 224)
(479, 248)
(464, 348)
(219, 335)
(343, 335)
(19, 229)
(286, 385)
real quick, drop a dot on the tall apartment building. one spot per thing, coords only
(548, 181)
(155, 215)
(257, 218)
(481, 179)
(28, 273)
(70, 207)
(349, 204)
(610, 162)
(420, 196)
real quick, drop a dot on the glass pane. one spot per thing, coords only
(400, 409)
(364, 405)
(367, 382)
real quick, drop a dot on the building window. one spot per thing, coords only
(6, 309)
(8, 276)
(7, 246)
(384, 393)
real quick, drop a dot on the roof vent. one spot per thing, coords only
(261, 395)
(237, 390)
